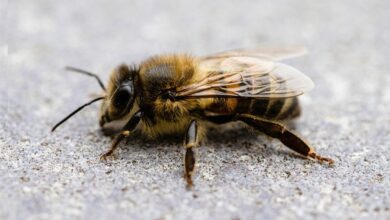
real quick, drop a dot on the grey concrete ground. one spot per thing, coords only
(240, 175)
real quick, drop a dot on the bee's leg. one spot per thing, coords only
(287, 137)
(191, 140)
(126, 130)
(110, 131)
(112, 128)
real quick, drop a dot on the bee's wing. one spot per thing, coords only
(250, 77)
(268, 53)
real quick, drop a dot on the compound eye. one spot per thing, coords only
(122, 98)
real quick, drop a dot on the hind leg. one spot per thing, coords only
(287, 137)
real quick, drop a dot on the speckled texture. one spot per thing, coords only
(240, 175)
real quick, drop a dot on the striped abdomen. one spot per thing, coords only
(276, 109)
(273, 109)
(268, 108)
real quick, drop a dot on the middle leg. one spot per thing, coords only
(191, 141)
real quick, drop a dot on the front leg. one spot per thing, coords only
(112, 128)
(191, 140)
(130, 126)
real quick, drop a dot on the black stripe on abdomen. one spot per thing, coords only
(258, 107)
(274, 108)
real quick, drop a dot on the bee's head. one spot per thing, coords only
(120, 94)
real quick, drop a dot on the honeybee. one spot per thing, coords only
(182, 94)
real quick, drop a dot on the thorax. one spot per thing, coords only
(157, 76)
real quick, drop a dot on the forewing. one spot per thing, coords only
(267, 53)
(247, 77)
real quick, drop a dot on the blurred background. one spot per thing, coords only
(240, 175)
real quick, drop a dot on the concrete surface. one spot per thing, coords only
(240, 175)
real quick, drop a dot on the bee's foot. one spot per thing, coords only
(321, 159)
(188, 180)
(105, 156)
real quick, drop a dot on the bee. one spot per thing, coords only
(183, 94)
